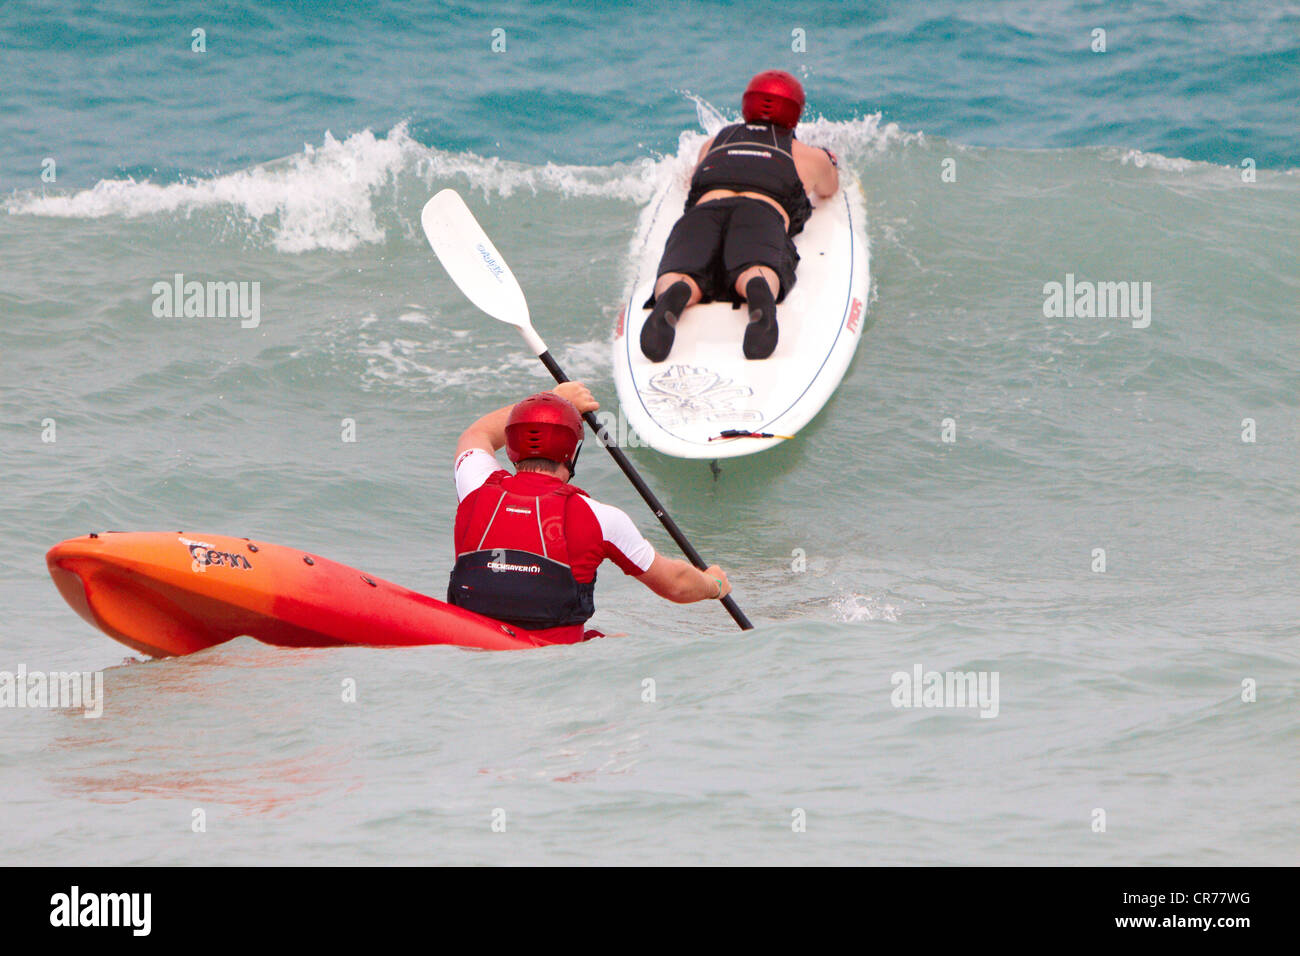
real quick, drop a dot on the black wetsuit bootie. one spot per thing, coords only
(658, 332)
(761, 333)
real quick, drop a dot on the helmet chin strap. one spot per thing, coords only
(572, 463)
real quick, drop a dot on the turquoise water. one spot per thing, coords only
(862, 549)
(114, 87)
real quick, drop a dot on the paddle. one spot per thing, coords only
(481, 273)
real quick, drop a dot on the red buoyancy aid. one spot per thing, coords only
(512, 558)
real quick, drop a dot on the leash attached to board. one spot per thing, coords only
(740, 433)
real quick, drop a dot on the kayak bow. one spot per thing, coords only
(164, 594)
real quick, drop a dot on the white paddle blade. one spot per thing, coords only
(474, 264)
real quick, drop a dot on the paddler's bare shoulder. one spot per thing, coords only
(815, 168)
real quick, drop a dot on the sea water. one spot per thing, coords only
(1025, 591)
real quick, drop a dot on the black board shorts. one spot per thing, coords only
(715, 241)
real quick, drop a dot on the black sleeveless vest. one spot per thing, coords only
(754, 157)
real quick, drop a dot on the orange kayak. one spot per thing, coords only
(170, 593)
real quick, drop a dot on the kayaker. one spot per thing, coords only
(749, 196)
(528, 544)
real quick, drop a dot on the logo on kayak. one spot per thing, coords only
(684, 394)
(855, 314)
(490, 261)
(204, 556)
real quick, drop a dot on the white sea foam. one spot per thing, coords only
(852, 139)
(327, 196)
(320, 198)
(407, 363)
(331, 196)
(1144, 160)
(492, 176)
(861, 607)
(1140, 159)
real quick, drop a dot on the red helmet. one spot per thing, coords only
(774, 96)
(544, 426)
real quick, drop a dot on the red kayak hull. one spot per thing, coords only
(169, 593)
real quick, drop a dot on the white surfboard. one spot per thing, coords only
(706, 386)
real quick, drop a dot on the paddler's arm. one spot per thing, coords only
(489, 432)
(704, 150)
(683, 583)
(823, 166)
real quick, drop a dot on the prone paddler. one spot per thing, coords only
(748, 199)
(528, 544)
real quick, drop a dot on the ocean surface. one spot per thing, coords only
(951, 509)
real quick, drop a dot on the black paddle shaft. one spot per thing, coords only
(611, 446)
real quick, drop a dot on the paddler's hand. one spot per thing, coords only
(578, 395)
(719, 579)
